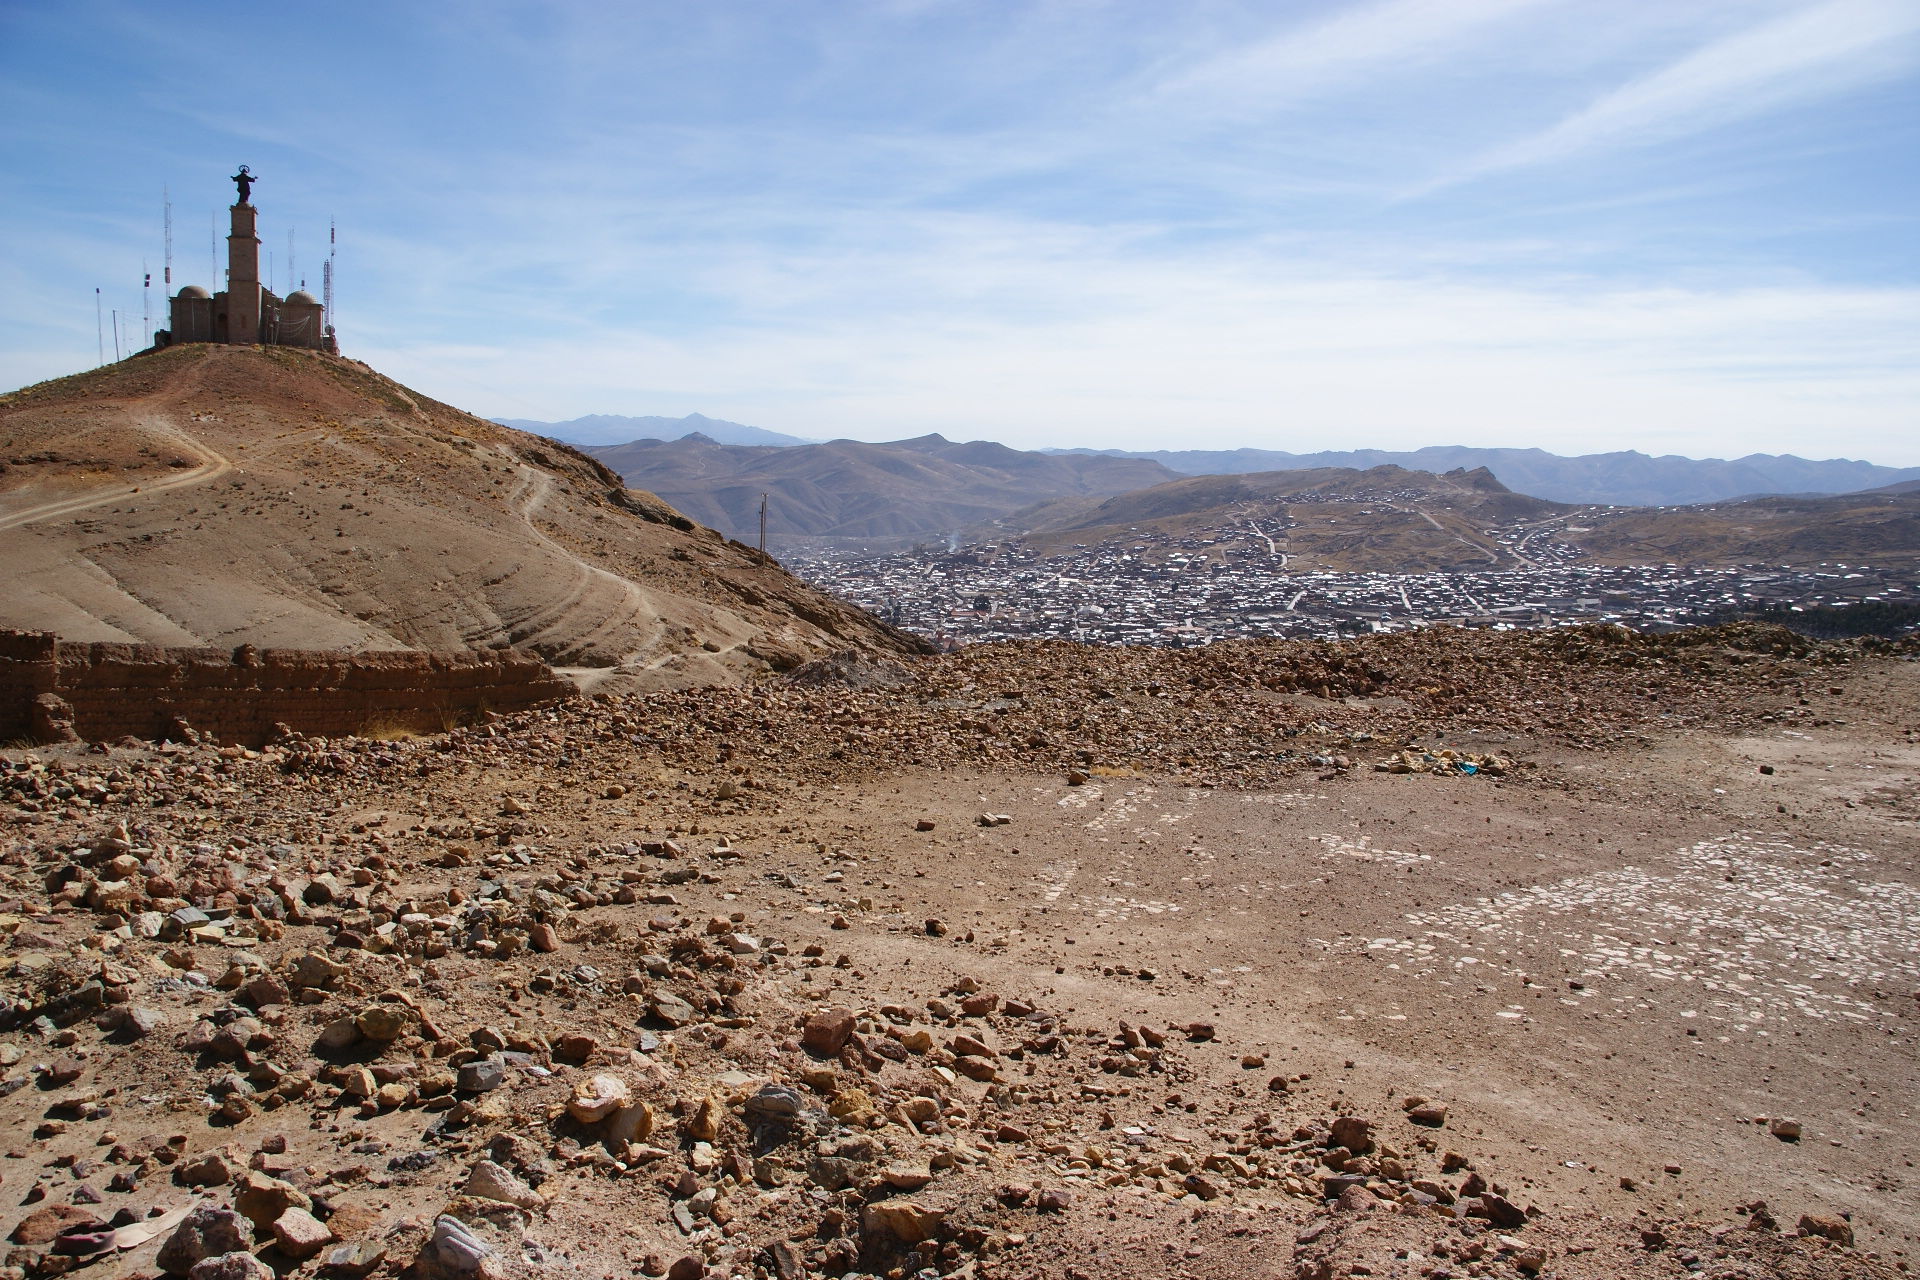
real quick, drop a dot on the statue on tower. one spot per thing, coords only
(245, 180)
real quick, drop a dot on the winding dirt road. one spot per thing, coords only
(212, 466)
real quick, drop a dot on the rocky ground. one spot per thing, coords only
(1570, 954)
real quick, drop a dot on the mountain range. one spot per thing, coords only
(874, 494)
(847, 496)
(1627, 478)
(607, 428)
(1619, 478)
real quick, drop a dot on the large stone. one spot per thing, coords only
(386, 1021)
(206, 1232)
(300, 1235)
(631, 1123)
(826, 1033)
(1502, 1212)
(671, 1010)
(907, 1221)
(482, 1075)
(596, 1098)
(262, 1198)
(43, 1226)
(455, 1253)
(1353, 1133)
(238, 1265)
(341, 1033)
(361, 1258)
(702, 1123)
(314, 970)
(213, 1169)
(1827, 1227)
(777, 1101)
(490, 1181)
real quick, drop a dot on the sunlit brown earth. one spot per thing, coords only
(223, 495)
(1136, 948)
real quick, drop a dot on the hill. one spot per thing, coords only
(1881, 528)
(847, 491)
(1388, 519)
(223, 495)
(1384, 518)
(1625, 478)
(607, 428)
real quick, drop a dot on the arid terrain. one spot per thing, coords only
(1572, 954)
(209, 495)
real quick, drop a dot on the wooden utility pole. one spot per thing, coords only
(763, 524)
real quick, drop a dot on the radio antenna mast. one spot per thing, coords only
(166, 278)
(326, 280)
(99, 326)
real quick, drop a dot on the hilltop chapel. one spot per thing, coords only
(246, 312)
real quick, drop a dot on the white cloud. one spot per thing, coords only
(1216, 351)
(1337, 50)
(1814, 52)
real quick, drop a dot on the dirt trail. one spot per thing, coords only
(212, 466)
(621, 601)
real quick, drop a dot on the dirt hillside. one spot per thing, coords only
(226, 495)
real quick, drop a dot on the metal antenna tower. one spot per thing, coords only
(166, 203)
(326, 280)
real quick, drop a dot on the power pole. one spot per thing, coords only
(763, 524)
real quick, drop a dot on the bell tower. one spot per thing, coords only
(243, 276)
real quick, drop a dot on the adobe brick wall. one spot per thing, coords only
(240, 695)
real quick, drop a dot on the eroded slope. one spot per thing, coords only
(220, 495)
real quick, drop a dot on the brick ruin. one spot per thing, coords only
(53, 690)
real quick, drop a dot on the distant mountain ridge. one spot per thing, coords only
(1625, 478)
(899, 491)
(609, 428)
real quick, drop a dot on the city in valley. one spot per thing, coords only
(1222, 581)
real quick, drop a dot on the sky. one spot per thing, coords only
(1582, 225)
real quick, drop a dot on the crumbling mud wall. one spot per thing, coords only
(52, 690)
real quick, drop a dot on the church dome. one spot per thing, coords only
(192, 291)
(301, 298)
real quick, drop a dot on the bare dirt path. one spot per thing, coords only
(212, 466)
(626, 603)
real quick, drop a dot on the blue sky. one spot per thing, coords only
(1578, 224)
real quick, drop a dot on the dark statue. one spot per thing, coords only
(245, 180)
